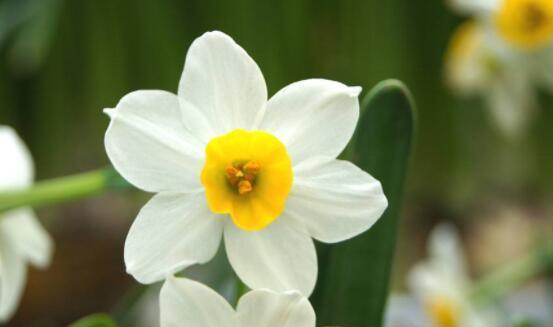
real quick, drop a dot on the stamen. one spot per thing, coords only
(251, 167)
(244, 187)
(242, 176)
(232, 175)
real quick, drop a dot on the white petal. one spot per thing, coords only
(184, 302)
(335, 199)
(149, 145)
(280, 257)
(16, 165)
(223, 83)
(475, 7)
(512, 100)
(444, 272)
(264, 308)
(467, 62)
(28, 237)
(13, 274)
(428, 281)
(313, 117)
(403, 310)
(171, 232)
(445, 250)
(542, 66)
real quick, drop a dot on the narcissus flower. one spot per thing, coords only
(22, 239)
(504, 53)
(184, 302)
(225, 161)
(440, 289)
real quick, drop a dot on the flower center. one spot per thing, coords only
(248, 175)
(527, 24)
(242, 175)
(443, 312)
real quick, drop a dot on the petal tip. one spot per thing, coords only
(354, 91)
(110, 112)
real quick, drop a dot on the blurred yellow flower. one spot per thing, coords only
(526, 23)
(503, 54)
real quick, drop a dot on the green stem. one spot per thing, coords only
(500, 282)
(64, 189)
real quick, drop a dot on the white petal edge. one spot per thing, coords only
(171, 232)
(334, 199)
(150, 146)
(223, 83)
(16, 165)
(280, 257)
(265, 308)
(475, 7)
(313, 117)
(184, 302)
(28, 237)
(13, 275)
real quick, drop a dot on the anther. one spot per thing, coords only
(244, 187)
(232, 174)
(251, 167)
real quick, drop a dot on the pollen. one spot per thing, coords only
(247, 175)
(526, 24)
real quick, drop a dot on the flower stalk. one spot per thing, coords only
(513, 275)
(63, 189)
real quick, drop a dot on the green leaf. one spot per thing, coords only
(354, 275)
(95, 320)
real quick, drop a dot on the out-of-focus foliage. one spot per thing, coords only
(96, 320)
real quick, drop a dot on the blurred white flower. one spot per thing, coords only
(503, 53)
(22, 239)
(439, 288)
(184, 302)
(226, 162)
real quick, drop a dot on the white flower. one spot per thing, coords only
(184, 302)
(504, 53)
(440, 287)
(22, 239)
(225, 162)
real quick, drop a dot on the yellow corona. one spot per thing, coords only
(248, 175)
(526, 24)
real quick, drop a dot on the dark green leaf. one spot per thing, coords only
(95, 320)
(355, 274)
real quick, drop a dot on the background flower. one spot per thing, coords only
(504, 65)
(22, 239)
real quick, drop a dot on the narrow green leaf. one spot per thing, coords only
(355, 274)
(95, 320)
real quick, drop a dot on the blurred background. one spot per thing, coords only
(62, 62)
